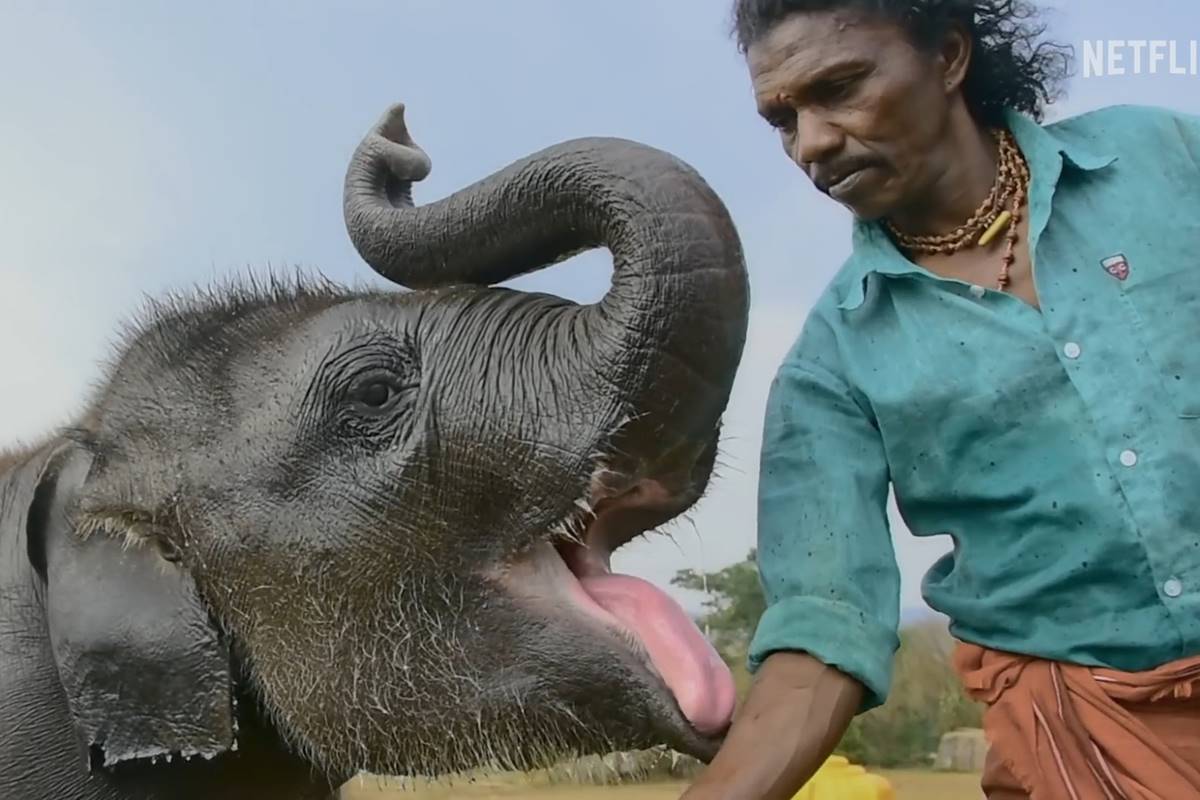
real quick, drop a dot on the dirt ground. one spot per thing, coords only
(915, 785)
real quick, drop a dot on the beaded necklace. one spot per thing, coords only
(1002, 207)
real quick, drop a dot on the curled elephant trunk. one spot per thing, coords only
(670, 330)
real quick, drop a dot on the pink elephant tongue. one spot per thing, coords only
(701, 682)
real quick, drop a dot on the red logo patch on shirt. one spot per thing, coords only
(1116, 265)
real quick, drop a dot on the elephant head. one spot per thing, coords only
(397, 509)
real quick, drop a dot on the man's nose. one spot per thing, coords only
(815, 140)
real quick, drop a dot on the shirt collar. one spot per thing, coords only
(1045, 149)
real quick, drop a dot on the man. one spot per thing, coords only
(1014, 347)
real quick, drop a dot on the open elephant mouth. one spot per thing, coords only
(570, 573)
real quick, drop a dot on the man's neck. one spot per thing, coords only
(963, 170)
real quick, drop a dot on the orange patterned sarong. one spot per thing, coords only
(1066, 732)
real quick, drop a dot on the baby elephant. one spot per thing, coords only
(301, 532)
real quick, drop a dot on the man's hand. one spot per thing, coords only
(794, 716)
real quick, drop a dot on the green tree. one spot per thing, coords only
(734, 601)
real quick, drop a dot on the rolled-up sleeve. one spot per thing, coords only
(825, 551)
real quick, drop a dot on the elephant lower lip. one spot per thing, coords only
(665, 639)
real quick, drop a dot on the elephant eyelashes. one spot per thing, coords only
(368, 384)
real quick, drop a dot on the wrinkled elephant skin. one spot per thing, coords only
(302, 531)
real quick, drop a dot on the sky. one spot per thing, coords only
(154, 146)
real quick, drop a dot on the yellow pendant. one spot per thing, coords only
(995, 227)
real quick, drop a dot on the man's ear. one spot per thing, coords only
(146, 672)
(954, 56)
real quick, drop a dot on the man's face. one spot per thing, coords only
(858, 107)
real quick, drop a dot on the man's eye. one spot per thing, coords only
(781, 121)
(836, 90)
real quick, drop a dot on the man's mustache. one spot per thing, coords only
(826, 175)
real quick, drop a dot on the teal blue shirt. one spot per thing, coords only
(1060, 448)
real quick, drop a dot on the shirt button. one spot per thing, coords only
(1071, 350)
(978, 291)
(1172, 587)
(1128, 458)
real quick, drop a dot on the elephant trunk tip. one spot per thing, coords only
(388, 158)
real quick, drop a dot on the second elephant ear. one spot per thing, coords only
(144, 668)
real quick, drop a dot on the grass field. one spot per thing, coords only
(909, 785)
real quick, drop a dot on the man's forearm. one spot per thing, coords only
(794, 716)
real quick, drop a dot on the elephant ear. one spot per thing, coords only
(144, 669)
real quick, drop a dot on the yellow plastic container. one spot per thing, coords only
(838, 779)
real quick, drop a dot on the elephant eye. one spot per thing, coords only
(377, 393)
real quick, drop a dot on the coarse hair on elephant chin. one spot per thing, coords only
(384, 681)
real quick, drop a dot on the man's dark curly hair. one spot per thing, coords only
(1009, 66)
